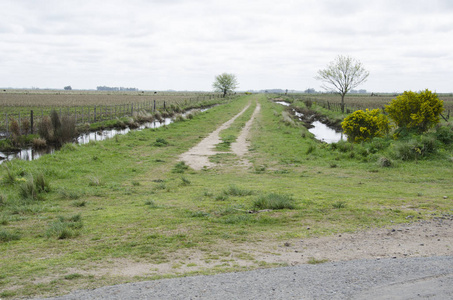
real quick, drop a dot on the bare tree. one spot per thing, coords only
(342, 75)
(225, 83)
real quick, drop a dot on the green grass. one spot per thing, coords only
(125, 200)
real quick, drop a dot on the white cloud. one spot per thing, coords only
(183, 44)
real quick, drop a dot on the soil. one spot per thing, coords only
(417, 239)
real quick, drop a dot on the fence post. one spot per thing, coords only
(31, 121)
(94, 114)
(6, 123)
(154, 107)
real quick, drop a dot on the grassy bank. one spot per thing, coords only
(128, 202)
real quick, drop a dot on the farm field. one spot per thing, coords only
(126, 209)
(92, 105)
(364, 101)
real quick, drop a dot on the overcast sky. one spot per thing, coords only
(184, 44)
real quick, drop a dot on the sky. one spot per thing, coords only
(183, 44)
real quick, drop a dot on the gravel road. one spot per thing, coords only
(404, 278)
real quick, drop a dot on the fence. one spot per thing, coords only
(89, 114)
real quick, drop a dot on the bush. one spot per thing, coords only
(415, 148)
(39, 143)
(419, 111)
(45, 129)
(25, 126)
(364, 125)
(444, 134)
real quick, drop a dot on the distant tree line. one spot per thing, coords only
(115, 88)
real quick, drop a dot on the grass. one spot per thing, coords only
(128, 205)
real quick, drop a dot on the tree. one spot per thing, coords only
(68, 88)
(418, 111)
(342, 75)
(225, 83)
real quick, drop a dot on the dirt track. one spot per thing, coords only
(198, 157)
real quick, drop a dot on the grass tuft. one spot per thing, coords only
(274, 201)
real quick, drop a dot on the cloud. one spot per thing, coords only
(183, 44)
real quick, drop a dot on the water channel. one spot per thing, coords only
(321, 131)
(30, 154)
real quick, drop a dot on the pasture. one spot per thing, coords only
(126, 209)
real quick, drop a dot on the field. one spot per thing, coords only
(126, 209)
(90, 106)
(361, 101)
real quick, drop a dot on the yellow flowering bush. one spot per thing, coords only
(419, 111)
(365, 125)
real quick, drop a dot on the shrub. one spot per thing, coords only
(68, 129)
(415, 148)
(384, 162)
(39, 143)
(14, 127)
(419, 111)
(365, 125)
(274, 201)
(25, 126)
(45, 129)
(445, 134)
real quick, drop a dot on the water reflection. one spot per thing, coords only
(321, 131)
(85, 138)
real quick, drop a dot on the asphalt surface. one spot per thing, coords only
(406, 278)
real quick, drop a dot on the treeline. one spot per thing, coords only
(115, 88)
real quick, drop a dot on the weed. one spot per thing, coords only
(314, 261)
(260, 169)
(95, 181)
(311, 148)
(221, 197)
(73, 276)
(151, 203)
(39, 143)
(384, 162)
(236, 191)
(27, 189)
(10, 177)
(339, 204)
(67, 194)
(42, 184)
(185, 181)
(135, 183)
(274, 201)
(80, 203)
(65, 228)
(160, 142)
(6, 236)
(180, 167)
